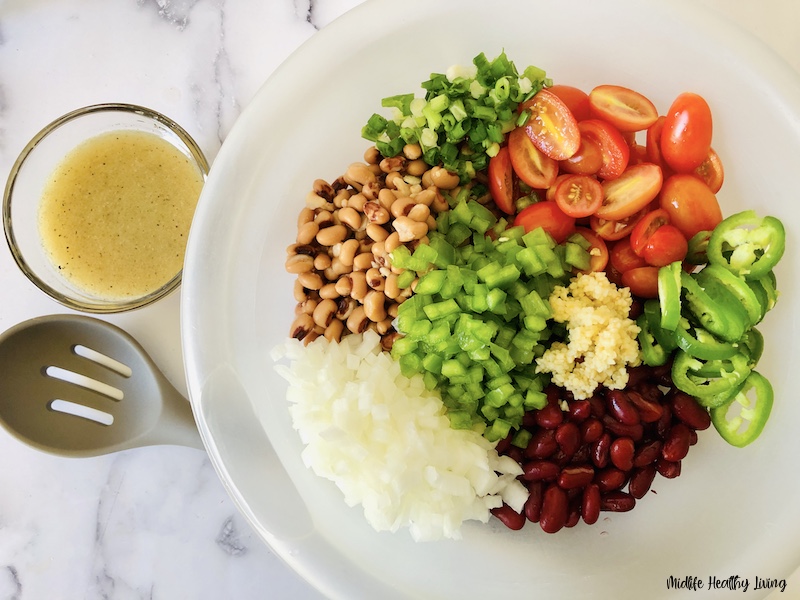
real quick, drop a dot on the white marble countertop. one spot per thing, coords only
(156, 523)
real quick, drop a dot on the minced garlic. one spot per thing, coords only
(601, 338)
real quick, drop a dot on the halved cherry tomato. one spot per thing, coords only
(614, 230)
(631, 192)
(586, 161)
(646, 227)
(638, 155)
(550, 194)
(576, 100)
(711, 171)
(625, 109)
(548, 216)
(579, 196)
(551, 126)
(665, 246)
(598, 251)
(530, 165)
(686, 138)
(623, 258)
(501, 181)
(691, 205)
(642, 281)
(613, 147)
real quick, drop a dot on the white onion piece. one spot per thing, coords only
(386, 441)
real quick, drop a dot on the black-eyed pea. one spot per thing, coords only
(420, 212)
(324, 312)
(299, 263)
(310, 280)
(427, 179)
(376, 170)
(328, 291)
(348, 251)
(393, 163)
(412, 151)
(306, 215)
(378, 249)
(402, 187)
(372, 156)
(322, 261)
(425, 196)
(384, 326)
(432, 224)
(323, 189)
(392, 180)
(417, 167)
(402, 206)
(308, 306)
(356, 201)
(439, 203)
(344, 285)
(375, 280)
(377, 232)
(333, 332)
(312, 335)
(374, 306)
(345, 307)
(360, 287)
(392, 242)
(350, 217)
(342, 197)
(362, 261)
(358, 174)
(371, 190)
(336, 269)
(302, 326)
(444, 179)
(386, 198)
(407, 229)
(307, 232)
(376, 213)
(316, 202)
(393, 309)
(329, 236)
(358, 322)
(299, 292)
(390, 288)
(387, 341)
(323, 218)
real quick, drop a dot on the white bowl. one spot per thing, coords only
(732, 512)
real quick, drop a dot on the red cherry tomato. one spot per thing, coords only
(646, 227)
(638, 155)
(548, 216)
(501, 181)
(686, 138)
(625, 109)
(576, 100)
(551, 191)
(666, 245)
(614, 230)
(711, 171)
(613, 147)
(691, 205)
(623, 258)
(642, 281)
(586, 161)
(552, 126)
(530, 165)
(631, 192)
(579, 196)
(598, 250)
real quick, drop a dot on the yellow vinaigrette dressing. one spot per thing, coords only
(115, 214)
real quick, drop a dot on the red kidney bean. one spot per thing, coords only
(676, 444)
(574, 514)
(600, 450)
(598, 406)
(590, 503)
(647, 453)
(591, 430)
(509, 517)
(550, 417)
(690, 412)
(555, 508)
(582, 455)
(515, 453)
(580, 410)
(621, 453)
(504, 444)
(575, 477)
(539, 470)
(662, 375)
(568, 437)
(621, 408)
(665, 422)
(533, 505)
(649, 411)
(650, 392)
(667, 469)
(617, 502)
(635, 432)
(641, 480)
(692, 437)
(542, 444)
(610, 478)
(636, 375)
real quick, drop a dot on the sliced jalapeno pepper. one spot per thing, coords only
(653, 353)
(652, 312)
(711, 382)
(718, 281)
(698, 245)
(752, 344)
(754, 401)
(699, 343)
(722, 315)
(669, 295)
(746, 244)
(765, 290)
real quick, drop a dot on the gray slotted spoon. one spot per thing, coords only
(77, 386)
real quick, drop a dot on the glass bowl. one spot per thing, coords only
(36, 167)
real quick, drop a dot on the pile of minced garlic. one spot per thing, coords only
(386, 441)
(601, 339)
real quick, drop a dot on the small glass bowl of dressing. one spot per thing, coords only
(97, 207)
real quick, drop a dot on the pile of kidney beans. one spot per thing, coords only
(603, 453)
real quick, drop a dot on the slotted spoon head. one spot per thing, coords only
(77, 386)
